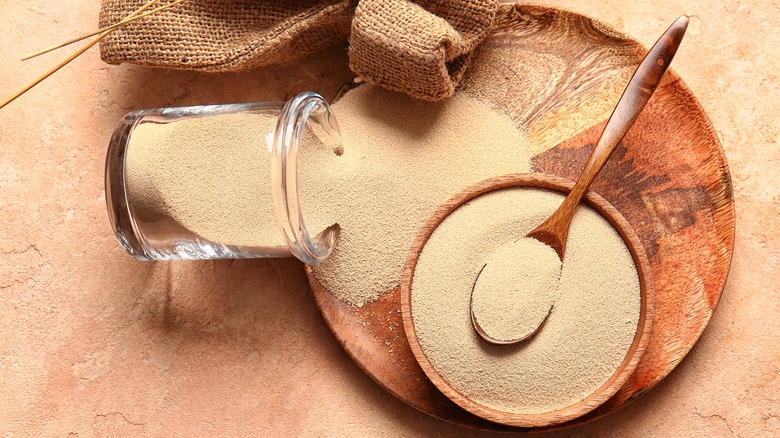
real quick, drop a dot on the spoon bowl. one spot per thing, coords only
(519, 307)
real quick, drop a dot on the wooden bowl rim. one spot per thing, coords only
(644, 324)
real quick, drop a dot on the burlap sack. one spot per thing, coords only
(224, 35)
(419, 47)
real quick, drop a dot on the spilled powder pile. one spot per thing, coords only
(211, 177)
(402, 159)
(586, 336)
(516, 289)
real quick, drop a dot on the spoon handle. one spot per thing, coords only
(638, 91)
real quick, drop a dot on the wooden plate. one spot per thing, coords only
(644, 322)
(559, 74)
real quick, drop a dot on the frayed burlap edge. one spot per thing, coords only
(194, 36)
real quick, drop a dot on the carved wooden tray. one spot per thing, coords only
(559, 74)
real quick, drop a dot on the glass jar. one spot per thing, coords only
(146, 223)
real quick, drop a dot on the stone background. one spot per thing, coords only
(95, 343)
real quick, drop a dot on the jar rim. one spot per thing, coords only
(305, 111)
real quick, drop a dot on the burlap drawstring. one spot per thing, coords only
(418, 47)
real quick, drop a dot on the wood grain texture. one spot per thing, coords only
(640, 89)
(644, 323)
(558, 75)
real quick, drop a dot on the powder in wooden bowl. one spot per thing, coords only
(584, 340)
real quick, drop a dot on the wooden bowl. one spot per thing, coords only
(644, 323)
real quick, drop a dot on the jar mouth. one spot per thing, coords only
(307, 110)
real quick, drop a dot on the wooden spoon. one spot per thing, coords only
(554, 231)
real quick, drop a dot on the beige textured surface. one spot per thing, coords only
(95, 343)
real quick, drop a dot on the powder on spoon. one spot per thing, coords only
(586, 336)
(516, 289)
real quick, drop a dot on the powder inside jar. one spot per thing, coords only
(210, 177)
(586, 336)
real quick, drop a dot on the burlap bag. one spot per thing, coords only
(421, 48)
(417, 47)
(224, 35)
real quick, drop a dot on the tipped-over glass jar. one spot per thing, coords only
(217, 181)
